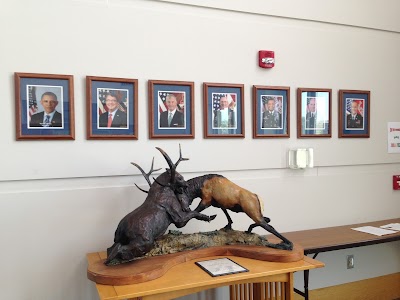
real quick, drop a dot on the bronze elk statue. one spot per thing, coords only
(168, 201)
(137, 231)
(216, 190)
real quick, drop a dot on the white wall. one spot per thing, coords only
(62, 199)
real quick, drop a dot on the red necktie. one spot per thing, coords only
(109, 120)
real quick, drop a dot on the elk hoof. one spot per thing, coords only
(286, 245)
(228, 227)
(210, 218)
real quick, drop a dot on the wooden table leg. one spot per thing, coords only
(289, 292)
(257, 292)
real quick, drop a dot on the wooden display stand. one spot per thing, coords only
(175, 275)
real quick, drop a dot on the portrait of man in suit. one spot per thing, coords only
(271, 118)
(311, 115)
(113, 117)
(49, 117)
(224, 117)
(172, 117)
(354, 119)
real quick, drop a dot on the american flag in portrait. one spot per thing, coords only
(32, 101)
(231, 100)
(121, 95)
(277, 99)
(162, 98)
(360, 103)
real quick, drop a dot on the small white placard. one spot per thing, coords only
(220, 266)
(393, 137)
(392, 226)
(374, 230)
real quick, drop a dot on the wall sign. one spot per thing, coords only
(393, 137)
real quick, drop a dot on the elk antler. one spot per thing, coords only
(172, 166)
(180, 157)
(145, 175)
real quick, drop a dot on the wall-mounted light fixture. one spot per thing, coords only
(301, 158)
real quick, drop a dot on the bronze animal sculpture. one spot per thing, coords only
(137, 231)
(216, 190)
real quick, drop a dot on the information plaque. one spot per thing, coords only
(220, 267)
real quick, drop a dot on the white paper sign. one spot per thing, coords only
(393, 137)
(374, 230)
(392, 226)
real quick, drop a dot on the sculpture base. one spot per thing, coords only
(149, 268)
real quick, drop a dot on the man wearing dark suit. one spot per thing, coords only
(171, 117)
(113, 118)
(49, 117)
(311, 115)
(355, 119)
(271, 118)
(224, 117)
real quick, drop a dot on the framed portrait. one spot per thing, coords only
(354, 114)
(224, 110)
(313, 112)
(44, 106)
(171, 109)
(112, 108)
(271, 112)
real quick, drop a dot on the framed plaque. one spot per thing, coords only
(221, 266)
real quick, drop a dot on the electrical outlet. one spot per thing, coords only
(350, 261)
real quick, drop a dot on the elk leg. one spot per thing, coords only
(112, 252)
(198, 216)
(180, 218)
(123, 253)
(203, 217)
(252, 226)
(229, 226)
(287, 245)
(201, 207)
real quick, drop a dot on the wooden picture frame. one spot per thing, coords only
(219, 124)
(314, 112)
(111, 108)
(271, 111)
(171, 109)
(44, 106)
(354, 114)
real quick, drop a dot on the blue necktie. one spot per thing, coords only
(47, 121)
(169, 119)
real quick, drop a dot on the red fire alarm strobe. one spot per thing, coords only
(396, 182)
(266, 59)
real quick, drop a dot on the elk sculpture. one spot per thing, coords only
(137, 231)
(218, 191)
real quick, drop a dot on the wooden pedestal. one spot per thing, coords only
(154, 267)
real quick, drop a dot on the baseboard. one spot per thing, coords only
(379, 288)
